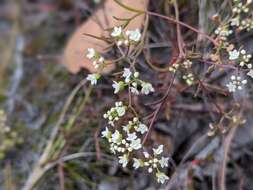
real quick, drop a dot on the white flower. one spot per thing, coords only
(231, 87)
(116, 137)
(126, 128)
(116, 31)
(117, 86)
(136, 144)
(127, 74)
(101, 60)
(164, 162)
(233, 55)
(106, 133)
(91, 53)
(134, 90)
(146, 88)
(121, 110)
(131, 136)
(235, 21)
(142, 128)
(244, 82)
(136, 74)
(159, 150)
(134, 35)
(119, 43)
(161, 177)
(236, 83)
(137, 163)
(93, 78)
(150, 170)
(112, 149)
(250, 73)
(146, 154)
(123, 160)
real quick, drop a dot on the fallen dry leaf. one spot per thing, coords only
(74, 57)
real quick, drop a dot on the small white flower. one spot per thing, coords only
(244, 82)
(231, 87)
(142, 128)
(150, 170)
(146, 88)
(146, 154)
(117, 86)
(116, 137)
(101, 60)
(136, 144)
(235, 21)
(250, 73)
(93, 78)
(131, 136)
(112, 149)
(91, 53)
(121, 110)
(134, 35)
(127, 74)
(126, 128)
(136, 74)
(161, 177)
(159, 150)
(123, 160)
(137, 163)
(236, 83)
(164, 162)
(233, 55)
(116, 31)
(134, 90)
(119, 43)
(106, 133)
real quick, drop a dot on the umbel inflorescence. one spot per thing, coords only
(127, 140)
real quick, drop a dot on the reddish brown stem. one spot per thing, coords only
(163, 100)
(183, 24)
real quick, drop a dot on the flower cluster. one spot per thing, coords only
(185, 68)
(124, 143)
(189, 79)
(8, 137)
(239, 20)
(241, 56)
(127, 139)
(237, 57)
(215, 129)
(129, 37)
(115, 113)
(246, 24)
(173, 68)
(223, 32)
(236, 83)
(153, 162)
(135, 85)
(239, 7)
(187, 64)
(97, 59)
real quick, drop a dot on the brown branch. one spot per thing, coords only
(182, 24)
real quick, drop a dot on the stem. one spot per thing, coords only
(163, 99)
(179, 34)
(223, 169)
(183, 24)
(42, 166)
